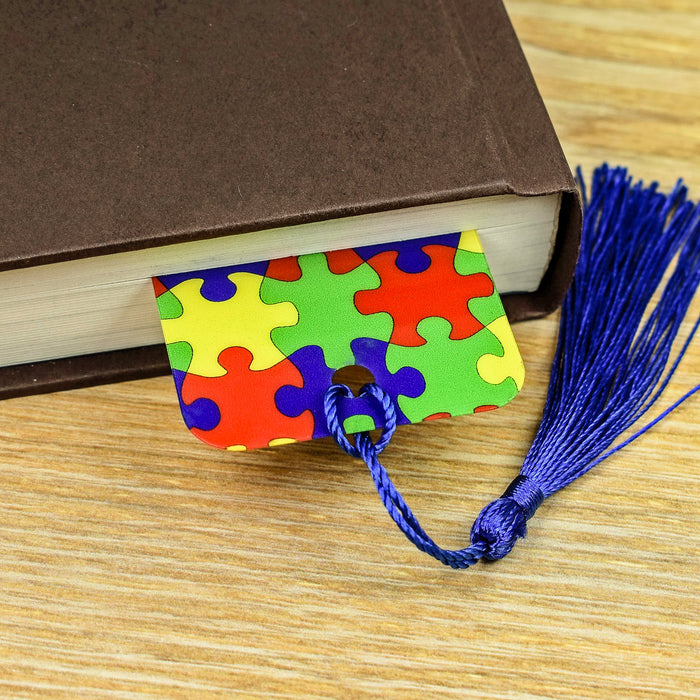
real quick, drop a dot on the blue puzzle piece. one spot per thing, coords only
(318, 376)
(202, 413)
(411, 257)
(217, 286)
(292, 401)
(408, 381)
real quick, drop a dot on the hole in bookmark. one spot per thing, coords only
(354, 377)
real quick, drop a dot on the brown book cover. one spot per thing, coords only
(144, 124)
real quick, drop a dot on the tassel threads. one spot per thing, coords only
(608, 369)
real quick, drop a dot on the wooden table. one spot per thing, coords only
(136, 563)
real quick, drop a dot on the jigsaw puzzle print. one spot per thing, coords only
(254, 347)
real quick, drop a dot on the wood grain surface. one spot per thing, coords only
(136, 562)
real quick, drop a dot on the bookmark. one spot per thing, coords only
(254, 348)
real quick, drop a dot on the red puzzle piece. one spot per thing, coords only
(246, 401)
(342, 261)
(284, 269)
(158, 287)
(412, 296)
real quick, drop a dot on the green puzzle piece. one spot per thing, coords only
(327, 314)
(485, 309)
(467, 262)
(180, 355)
(359, 423)
(453, 384)
(169, 305)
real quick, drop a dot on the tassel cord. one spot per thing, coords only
(394, 503)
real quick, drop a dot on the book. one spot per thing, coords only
(145, 140)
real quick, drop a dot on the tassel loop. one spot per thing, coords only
(337, 393)
(367, 450)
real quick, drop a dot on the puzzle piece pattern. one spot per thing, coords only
(242, 320)
(495, 368)
(412, 296)
(318, 376)
(246, 402)
(254, 347)
(456, 386)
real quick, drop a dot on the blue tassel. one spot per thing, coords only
(611, 363)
